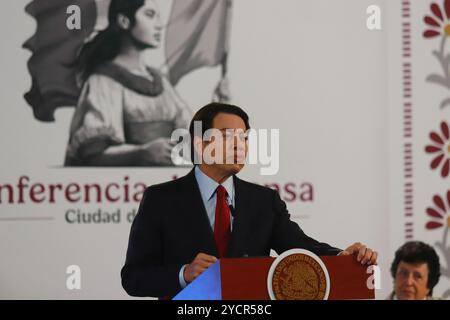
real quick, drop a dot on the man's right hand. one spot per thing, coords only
(201, 262)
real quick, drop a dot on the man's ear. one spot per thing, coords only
(123, 21)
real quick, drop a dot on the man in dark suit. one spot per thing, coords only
(184, 226)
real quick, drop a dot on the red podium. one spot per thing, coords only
(246, 279)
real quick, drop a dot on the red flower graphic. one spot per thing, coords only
(438, 23)
(440, 214)
(440, 149)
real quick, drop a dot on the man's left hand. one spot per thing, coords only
(363, 254)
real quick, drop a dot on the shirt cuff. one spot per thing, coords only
(183, 283)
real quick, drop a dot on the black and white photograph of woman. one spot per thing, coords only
(118, 67)
(127, 110)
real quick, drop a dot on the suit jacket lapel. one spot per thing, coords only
(198, 217)
(241, 223)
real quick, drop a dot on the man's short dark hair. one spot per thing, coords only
(207, 114)
(414, 252)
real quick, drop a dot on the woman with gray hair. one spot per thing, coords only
(416, 271)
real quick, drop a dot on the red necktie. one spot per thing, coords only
(222, 224)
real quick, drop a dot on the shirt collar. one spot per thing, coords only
(208, 186)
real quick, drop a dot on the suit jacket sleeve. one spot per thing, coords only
(144, 273)
(287, 234)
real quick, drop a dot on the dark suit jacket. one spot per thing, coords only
(172, 227)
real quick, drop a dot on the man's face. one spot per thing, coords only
(233, 143)
(411, 281)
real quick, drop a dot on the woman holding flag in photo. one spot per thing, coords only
(126, 111)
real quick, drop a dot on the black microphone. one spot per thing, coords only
(233, 212)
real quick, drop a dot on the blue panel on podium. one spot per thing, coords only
(206, 287)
